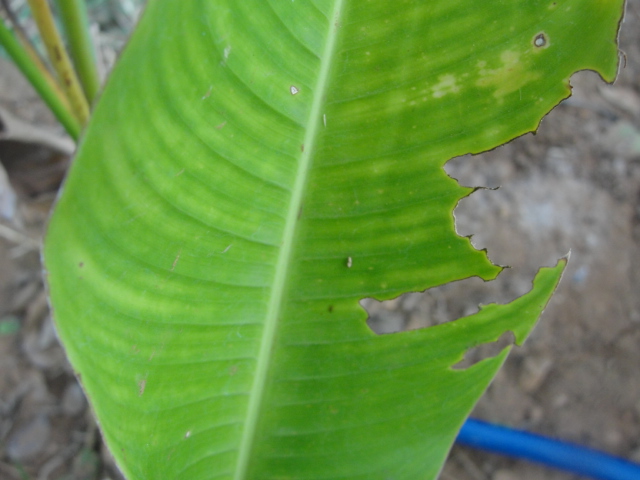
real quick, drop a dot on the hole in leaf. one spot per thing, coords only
(435, 306)
(540, 40)
(486, 350)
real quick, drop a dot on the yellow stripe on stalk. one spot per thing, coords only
(60, 59)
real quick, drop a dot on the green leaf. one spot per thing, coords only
(252, 171)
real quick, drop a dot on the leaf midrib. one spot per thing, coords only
(284, 259)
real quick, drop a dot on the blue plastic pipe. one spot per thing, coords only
(547, 451)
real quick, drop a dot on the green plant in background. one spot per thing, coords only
(48, 87)
(251, 172)
(67, 82)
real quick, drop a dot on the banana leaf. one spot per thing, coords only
(252, 171)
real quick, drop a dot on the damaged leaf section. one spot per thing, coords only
(435, 306)
(486, 350)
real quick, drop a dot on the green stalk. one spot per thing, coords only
(51, 96)
(76, 25)
(22, 37)
(59, 59)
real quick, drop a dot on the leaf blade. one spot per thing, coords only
(184, 262)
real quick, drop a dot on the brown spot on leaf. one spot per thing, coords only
(175, 262)
(141, 386)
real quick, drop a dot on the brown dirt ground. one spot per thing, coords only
(575, 185)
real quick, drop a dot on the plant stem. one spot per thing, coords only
(51, 95)
(32, 52)
(76, 25)
(21, 35)
(59, 59)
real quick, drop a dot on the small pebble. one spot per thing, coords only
(387, 322)
(561, 400)
(534, 373)
(613, 438)
(503, 474)
(28, 440)
(535, 415)
(73, 401)
(391, 305)
(411, 300)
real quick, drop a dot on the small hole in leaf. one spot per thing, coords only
(386, 316)
(486, 350)
(540, 40)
